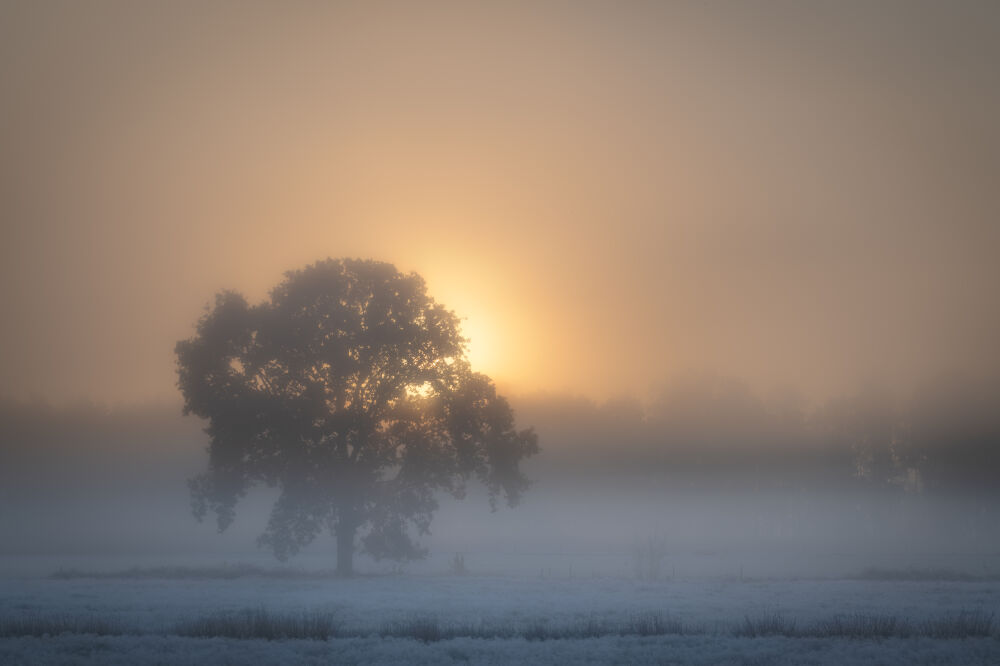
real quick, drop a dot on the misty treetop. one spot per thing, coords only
(349, 390)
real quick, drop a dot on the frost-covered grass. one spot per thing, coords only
(960, 625)
(62, 623)
(868, 625)
(252, 624)
(702, 650)
(769, 624)
(428, 628)
(260, 623)
(494, 619)
(963, 624)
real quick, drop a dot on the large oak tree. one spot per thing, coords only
(349, 390)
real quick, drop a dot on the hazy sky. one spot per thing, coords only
(792, 193)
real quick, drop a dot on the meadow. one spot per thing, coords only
(248, 614)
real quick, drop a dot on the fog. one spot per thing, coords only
(733, 266)
(724, 478)
(611, 194)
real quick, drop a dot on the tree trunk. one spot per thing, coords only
(345, 547)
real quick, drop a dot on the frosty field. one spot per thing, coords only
(431, 618)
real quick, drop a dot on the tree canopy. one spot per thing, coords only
(349, 390)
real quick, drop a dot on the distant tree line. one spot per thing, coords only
(712, 431)
(943, 439)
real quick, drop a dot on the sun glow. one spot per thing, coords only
(481, 345)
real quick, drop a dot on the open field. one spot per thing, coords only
(254, 616)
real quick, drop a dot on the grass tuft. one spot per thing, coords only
(54, 625)
(537, 630)
(966, 624)
(259, 623)
(652, 624)
(861, 625)
(321, 625)
(426, 629)
(771, 624)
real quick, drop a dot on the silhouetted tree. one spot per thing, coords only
(349, 391)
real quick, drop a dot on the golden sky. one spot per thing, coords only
(796, 194)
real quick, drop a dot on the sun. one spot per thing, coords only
(481, 348)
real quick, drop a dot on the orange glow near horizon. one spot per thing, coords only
(613, 197)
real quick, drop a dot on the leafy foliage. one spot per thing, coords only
(349, 390)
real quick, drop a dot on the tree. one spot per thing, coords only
(348, 390)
